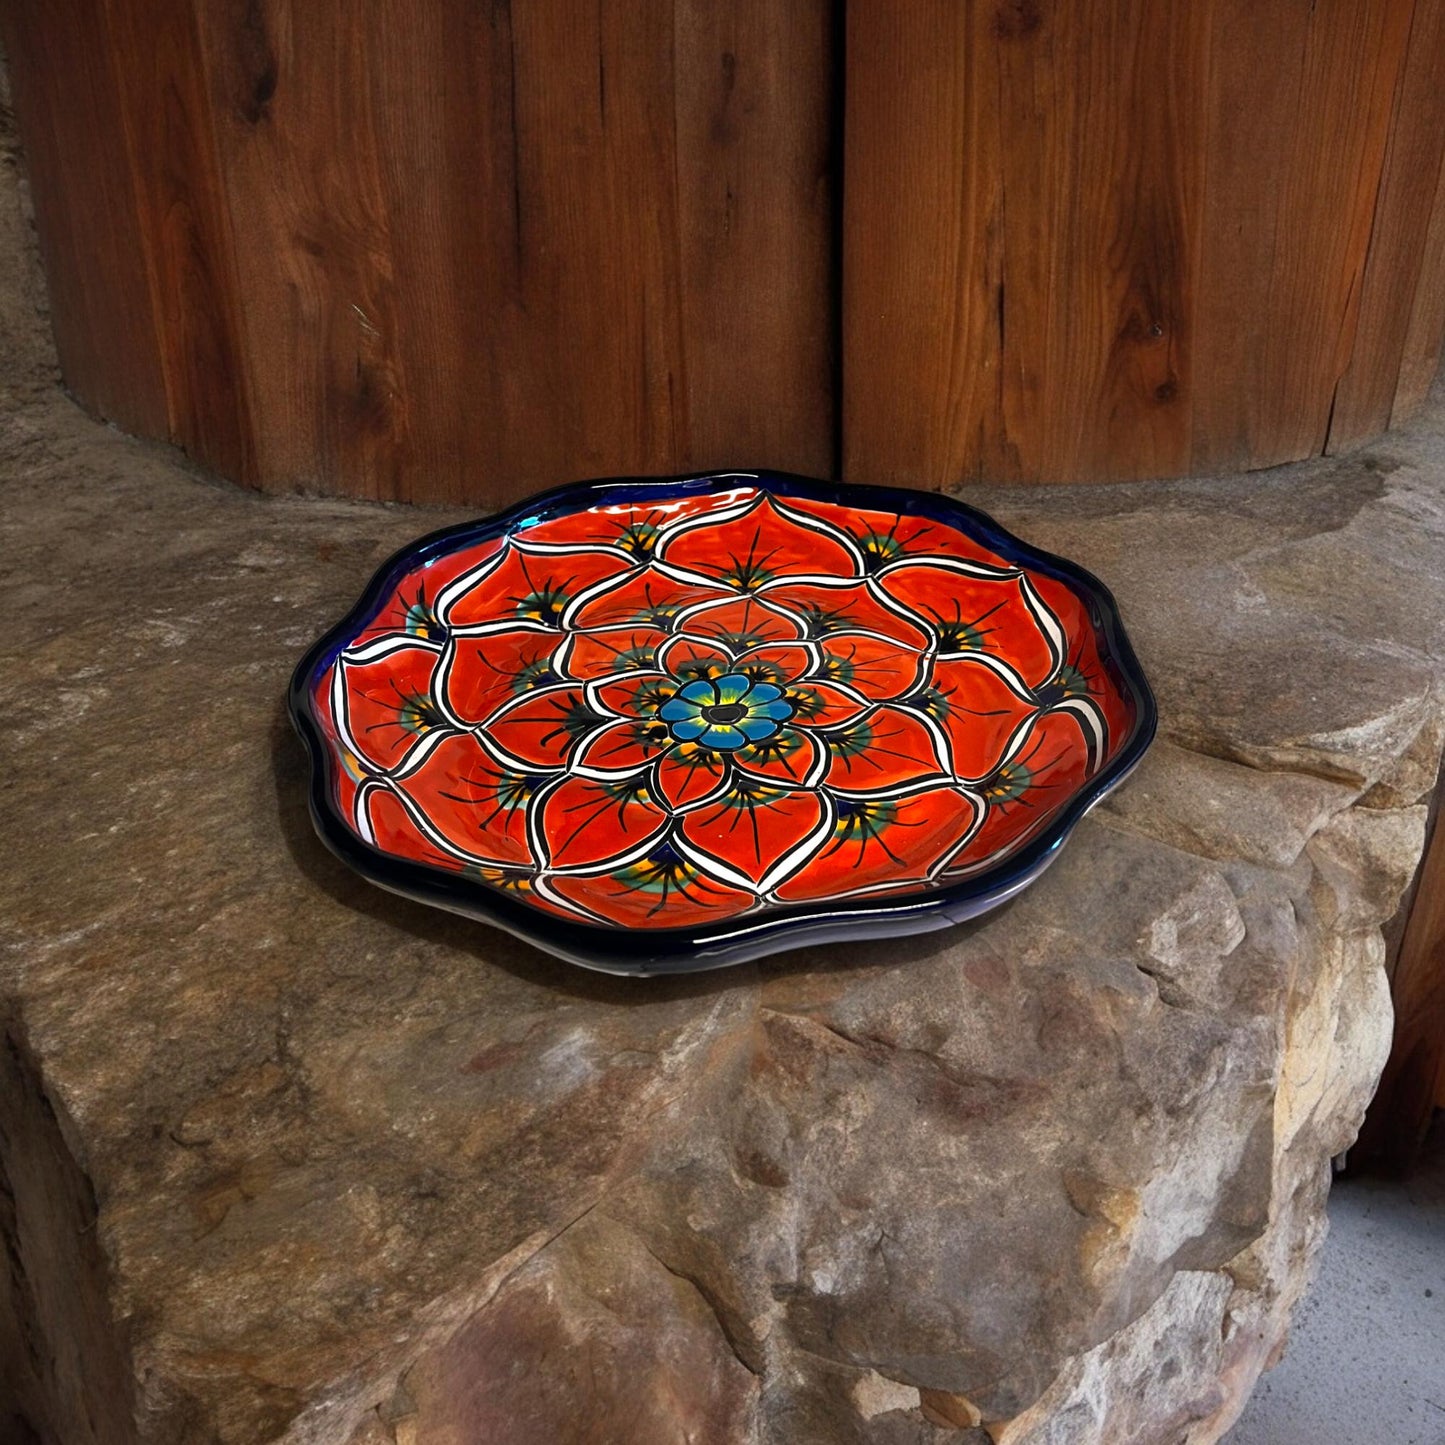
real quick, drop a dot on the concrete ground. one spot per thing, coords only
(1366, 1359)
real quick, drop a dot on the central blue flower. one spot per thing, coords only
(726, 712)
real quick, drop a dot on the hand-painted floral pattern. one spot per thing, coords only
(660, 713)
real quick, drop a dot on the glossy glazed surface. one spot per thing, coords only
(672, 724)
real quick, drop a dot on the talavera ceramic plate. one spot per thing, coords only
(671, 724)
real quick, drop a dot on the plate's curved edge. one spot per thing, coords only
(680, 950)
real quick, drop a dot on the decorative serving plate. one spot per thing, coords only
(664, 725)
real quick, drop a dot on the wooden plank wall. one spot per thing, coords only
(1382, 380)
(457, 251)
(445, 252)
(83, 185)
(1117, 239)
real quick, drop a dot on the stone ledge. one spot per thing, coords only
(357, 1171)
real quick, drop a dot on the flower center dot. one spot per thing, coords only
(728, 712)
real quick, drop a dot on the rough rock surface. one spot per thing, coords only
(283, 1158)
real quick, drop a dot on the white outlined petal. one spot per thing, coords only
(433, 835)
(369, 652)
(619, 750)
(730, 618)
(1091, 723)
(460, 585)
(826, 529)
(998, 666)
(673, 655)
(1048, 624)
(792, 758)
(778, 871)
(601, 588)
(759, 541)
(403, 721)
(964, 567)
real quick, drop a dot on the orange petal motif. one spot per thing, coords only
(753, 829)
(883, 841)
(684, 703)
(387, 699)
(855, 607)
(481, 672)
(739, 623)
(878, 668)
(409, 606)
(523, 585)
(611, 651)
(884, 537)
(883, 751)
(978, 711)
(647, 597)
(471, 805)
(621, 748)
(1025, 794)
(542, 728)
(764, 541)
(976, 614)
(661, 890)
(792, 757)
(585, 822)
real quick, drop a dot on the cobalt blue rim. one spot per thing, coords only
(690, 949)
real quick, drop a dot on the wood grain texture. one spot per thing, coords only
(1395, 268)
(166, 115)
(441, 253)
(1016, 240)
(1299, 110)
(460, 251)
(292, 91)
(1122, 238)
(1420, 358)
(756, 149)
(92, 243)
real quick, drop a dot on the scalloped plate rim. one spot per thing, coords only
(690, 949)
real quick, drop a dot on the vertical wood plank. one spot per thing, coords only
(1352, 57)
(165, 112)
(1298, 105)
(754, 95)
(1023, 183)
(1400, 230)
(1105, 123)
(602, 272)
(1299, 110)
(91, 240)
(1425, 333)
(291, 92)
(488, 247)
(1248, 160)
(1169, 208)
(923, 308)
(449, 165)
